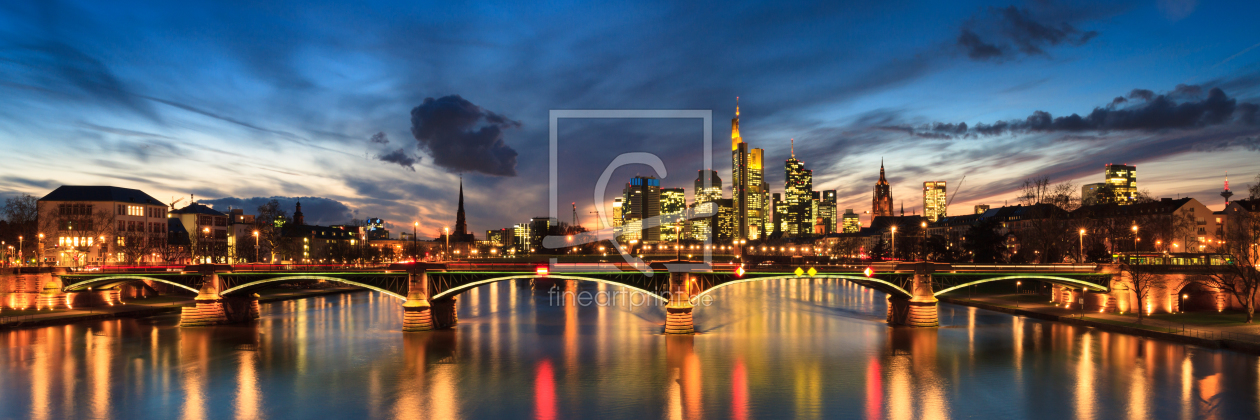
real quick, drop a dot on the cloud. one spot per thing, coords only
(462, 136)
(401, 158)
(379, 138)
(1156, 112)
(59, 68)
(316, 210)
(1000, 33)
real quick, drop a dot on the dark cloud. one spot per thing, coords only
(1158, 112)
(1000, 33)
(316, 210)
(401, 157)
(56, 67)
(379, 138)
(462, 136)
(1251, 143)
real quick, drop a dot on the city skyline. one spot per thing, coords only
(267, 130)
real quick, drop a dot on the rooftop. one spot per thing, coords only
(100, 193)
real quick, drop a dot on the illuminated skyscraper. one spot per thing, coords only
(1122, 183)
(852, 222)
(780, 213)
(641, 203)
(617, 211)
(673, 206)
(756, 195)
(706, 194)
(827, 211)
(934, 200)
(881, 202)
(739, 176)
(798, 191)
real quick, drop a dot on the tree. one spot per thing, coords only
(22, 213)
(880, 251)
(1254, 190)
(985, 244)
(1238, 277)
(1043, 232)
(270, 226)
(1143, 282)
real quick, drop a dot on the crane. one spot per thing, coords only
(952, 197)
(175, 201)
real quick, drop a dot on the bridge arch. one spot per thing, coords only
(1052, 279)
(257, 283)
(878, 284)
(108, 282)
(465, 287)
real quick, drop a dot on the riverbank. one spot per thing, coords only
(143, 308)
(1035, 306)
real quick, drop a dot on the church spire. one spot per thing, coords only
(461, 225)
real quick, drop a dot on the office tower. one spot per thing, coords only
(827, 210)
(641, 202)
(1122, 181)
(673, 206)
(981, 208)
(726, 221)
(798, 191)
(617, 211)
(713, 191)
(852, 222)
(539, 228)
(754, 217)
(780, 213)
(934, 200)
(881, 200)
(739, 175)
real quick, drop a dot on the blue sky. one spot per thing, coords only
(235, 100)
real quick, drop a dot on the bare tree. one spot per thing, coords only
(1238, 277)
(1144, 282)
(1254, 190)
(270, 226)
(22, 213)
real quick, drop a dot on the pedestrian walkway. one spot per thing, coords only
(1250, 333)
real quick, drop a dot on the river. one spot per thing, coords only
(807, 348)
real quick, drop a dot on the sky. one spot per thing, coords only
(379, 109)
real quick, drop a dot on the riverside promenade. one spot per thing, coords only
(1213, 330)
(10, 319)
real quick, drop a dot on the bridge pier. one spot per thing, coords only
(211, 308)
(919, 310)
(420, 313)
(678, 312)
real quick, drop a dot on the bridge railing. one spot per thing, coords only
(1077, 268)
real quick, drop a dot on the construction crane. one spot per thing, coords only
(952, 197)
(175, 201)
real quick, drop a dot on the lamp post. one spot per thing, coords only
(894, 242)
(1135, 238)
(39, 251)
(1082, 245)
(256, 246)
(923, 246)
(1181, 305)
(1017, 283)
(206, 239)
(447, 232)
(415, 241)
(20, 260)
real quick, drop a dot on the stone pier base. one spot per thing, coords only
(444, 312)
(417, 317)
(221, 311)
(678, 320)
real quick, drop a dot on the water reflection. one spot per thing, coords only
(782, 349)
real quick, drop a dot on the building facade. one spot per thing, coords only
(98, 224)
(641, 202)
(934, 200)
(798, 191)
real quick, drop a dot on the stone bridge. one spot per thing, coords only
(428, 292)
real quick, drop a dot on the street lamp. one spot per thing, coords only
(894, 242)
(20, 261)
(923, 227)
(415, 244)
(206, 232)
(1082, 245)
(446, 230)
(1135, 238)
(256, 246)
(40, 250)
